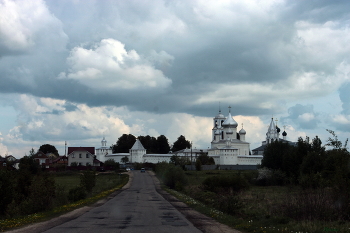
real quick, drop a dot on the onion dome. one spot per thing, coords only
(278, 129)
(242, 131)
(230, 121)
(284, 133)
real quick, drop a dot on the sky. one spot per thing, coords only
(81, 70)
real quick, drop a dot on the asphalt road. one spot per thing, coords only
(137, 209)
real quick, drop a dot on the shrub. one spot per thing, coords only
(175, 177)
(76, 194)
(232, 184)
(172, 176)
(198, 165)
(88, 180)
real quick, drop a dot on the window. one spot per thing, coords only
(87, 156)
(88, 164)
(79, 164)
(79, 155)
(73, 155)
(4, 164)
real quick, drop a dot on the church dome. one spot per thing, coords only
(278, 129)
(242, 131)
(230, 121)
(284, 133)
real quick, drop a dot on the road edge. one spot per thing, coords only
(199, 220)
(56, 221)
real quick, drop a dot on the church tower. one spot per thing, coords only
(217, 130)
(273, 132)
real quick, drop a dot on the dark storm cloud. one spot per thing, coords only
(245, 47)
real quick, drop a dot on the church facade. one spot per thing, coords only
(228, 147)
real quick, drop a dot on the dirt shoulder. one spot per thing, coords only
(201, 221)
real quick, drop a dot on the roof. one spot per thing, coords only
(230, 121)
(137, 145)
(91, 150)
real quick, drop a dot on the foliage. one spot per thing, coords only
(47, 148)
(149, 143)
(6, 190)
(334, 142)
(76, 194)
(125, 159)
(205, 159)
(198, 165)
(172, 176)
(225, 184)
(180, 144)
(88, 180)
(124, 143)
(112, 163)
(27, 163)
(162, 145)
(179, 160)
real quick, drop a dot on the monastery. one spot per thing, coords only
(228, 147)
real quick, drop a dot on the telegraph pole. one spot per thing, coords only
(191, 158)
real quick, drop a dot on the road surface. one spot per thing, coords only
(137, 209)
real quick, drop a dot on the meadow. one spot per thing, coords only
(257, 208)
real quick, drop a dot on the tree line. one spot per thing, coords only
(309, 163)
(159, 145)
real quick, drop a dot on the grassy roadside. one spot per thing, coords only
(105, 185)
(259, 209)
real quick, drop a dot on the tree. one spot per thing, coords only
(125, 159)
(205, 159)
(6, 190)
(124, 143)
(149, 143)
(334, 142)
(198, 165)
(112, 163)
(180, 144)
(162, 145)
(47, 148)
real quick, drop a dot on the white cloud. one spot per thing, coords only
(109, 67)
(24, 24)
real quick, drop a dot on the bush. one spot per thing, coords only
(227, 184)
(76, 194)
(172, 176)
(88, 180)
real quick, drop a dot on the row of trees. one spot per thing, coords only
(309, 163)
(159, 145)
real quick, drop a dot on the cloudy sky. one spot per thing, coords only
(78, 70)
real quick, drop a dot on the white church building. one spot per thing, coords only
(228, 147)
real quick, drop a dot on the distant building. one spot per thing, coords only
(228, 147)
(272, 135)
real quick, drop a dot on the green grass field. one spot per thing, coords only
(260, 206)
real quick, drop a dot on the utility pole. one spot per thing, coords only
(191, 158)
